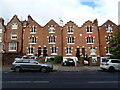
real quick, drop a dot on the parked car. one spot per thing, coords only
(18, 58)
(68, 62)
(26, 64)
(110, 64)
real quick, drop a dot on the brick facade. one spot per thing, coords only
(52, 39)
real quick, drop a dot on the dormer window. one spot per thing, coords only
(89, 29)
(14, 26)
(70, 30)
(109, 28)
(33, 30)
(52, 29)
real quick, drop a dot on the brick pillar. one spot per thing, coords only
(90, 61)
(98, 61)
(42, 59)
(81, 61)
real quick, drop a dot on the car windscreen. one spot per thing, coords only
(105, 60)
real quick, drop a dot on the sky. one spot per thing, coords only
(78, 11)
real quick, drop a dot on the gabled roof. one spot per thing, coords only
(71, 22)
(52, 21)
(108, 21)
(87, 22)
(14, 17)
(31, 20)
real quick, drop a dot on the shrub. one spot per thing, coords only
(58, 59)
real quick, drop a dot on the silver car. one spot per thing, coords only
(30, 64)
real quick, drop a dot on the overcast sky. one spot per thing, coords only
(77, 11)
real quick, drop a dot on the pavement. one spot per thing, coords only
(59, 67)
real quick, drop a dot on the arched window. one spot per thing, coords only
(30, 50)
(33, 40)
(53, 49)
(52, 39)
(33, 30)
(70, 40)
(89, 29)
(70, 30)
(69, 50)
(89, 39)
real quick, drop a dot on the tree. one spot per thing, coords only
(115, 45)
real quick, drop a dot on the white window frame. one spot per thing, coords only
(90, 40)
(108, 51)
(108, 37)
(109, 29)
(53, 51)
(70, 30)
(0, 30)
(32, 40)
(12, 47)
(93, 51)
(89, 29)
(33, 30)
(70, 40)
(52, 40)
(13, 36)
(30, 51)
(68, 51)
(51, 30)
(14, 26)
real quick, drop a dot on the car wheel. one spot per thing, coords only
(17, 69)
(103, 69)
(111, 69)
(44, 69)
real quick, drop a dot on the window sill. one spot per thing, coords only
(13, 39)
(93, 54)
(70, 43)
(12, 50)
(33, 33)
(51, 32)
(30, 54)
(51, 43)
(108, 54)
(89, 32)
(90, 43)
(54, 54)
(109, 32)
(32, 43)
(69, 54)
(70, 33)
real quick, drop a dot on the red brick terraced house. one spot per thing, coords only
(70, 40)
(106, 31)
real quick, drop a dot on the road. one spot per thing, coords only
(63, 79)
